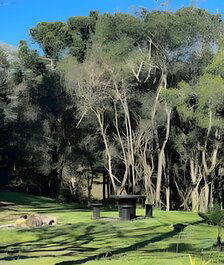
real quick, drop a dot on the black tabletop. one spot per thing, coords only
(130, 196)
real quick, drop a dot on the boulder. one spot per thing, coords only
(21, 222)
(34, 221)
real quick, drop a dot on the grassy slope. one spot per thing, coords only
(77, 239)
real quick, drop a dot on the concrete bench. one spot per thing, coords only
(96, 210)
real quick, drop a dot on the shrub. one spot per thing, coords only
(215, 216)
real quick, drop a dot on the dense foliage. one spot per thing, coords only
(139, 95)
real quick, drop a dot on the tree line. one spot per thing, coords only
(139, 95)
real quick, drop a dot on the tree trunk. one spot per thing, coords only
(161, 162)
(207, 189)
(108, 155)
(211, 195)
(54, 183)
(204, 198)
(219, 243)
(159, 179)
(195, 180)
(168, 198)
(194, 199)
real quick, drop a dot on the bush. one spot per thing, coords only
(215, 216)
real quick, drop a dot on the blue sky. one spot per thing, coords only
(18, 16)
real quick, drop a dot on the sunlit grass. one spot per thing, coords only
(77, 239)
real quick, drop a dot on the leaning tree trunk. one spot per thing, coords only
(126, 157)
(130, 156)
(108, 154)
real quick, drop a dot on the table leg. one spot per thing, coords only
(120, 210)
(133, 210)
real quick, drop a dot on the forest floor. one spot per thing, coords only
(167, 238)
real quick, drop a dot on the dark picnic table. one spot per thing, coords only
(127, 200)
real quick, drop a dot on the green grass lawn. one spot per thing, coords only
(77, 239)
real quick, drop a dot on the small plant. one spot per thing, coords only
(194, 262)
(215, 216)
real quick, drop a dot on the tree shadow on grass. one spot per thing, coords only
(176, 229)
(80, 239)
(51, 243)
(59, 241)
